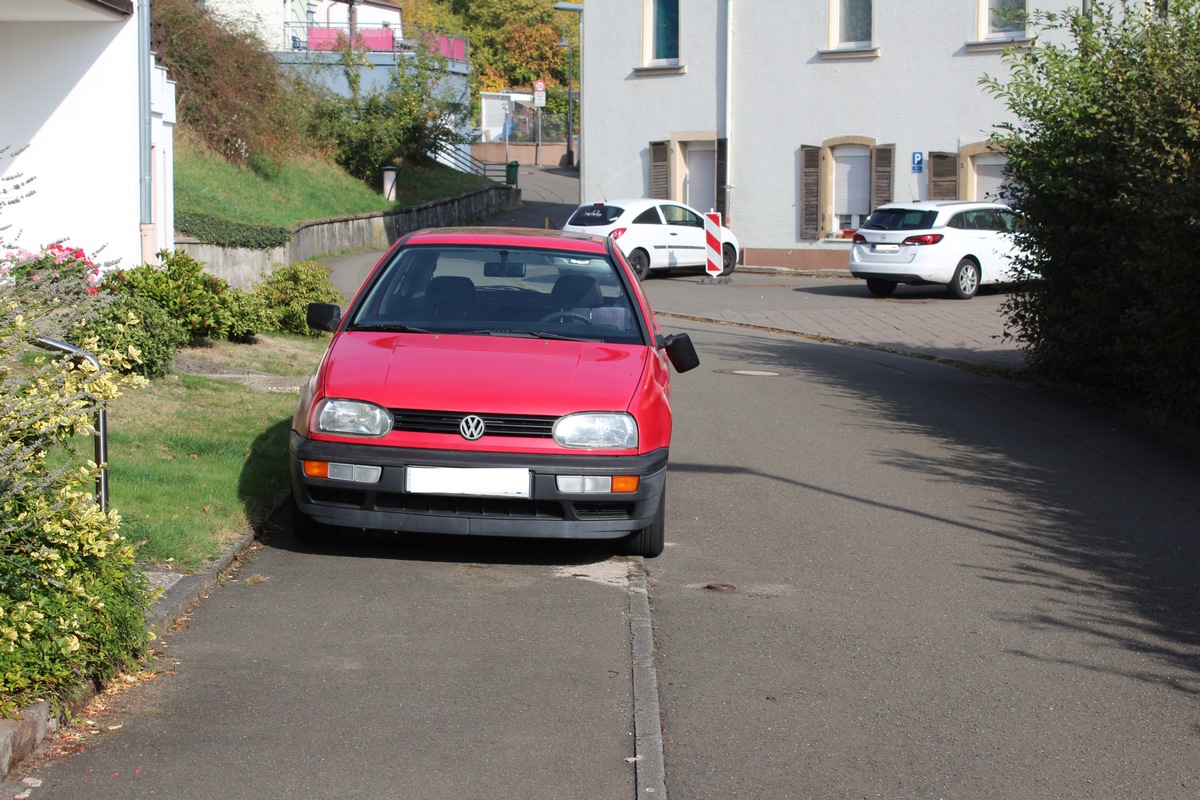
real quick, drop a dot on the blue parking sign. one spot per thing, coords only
(918, 162)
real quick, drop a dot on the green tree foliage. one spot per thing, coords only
(417, 112)
(1105, 163)
(513, 42)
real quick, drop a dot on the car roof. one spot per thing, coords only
(538, 238)
(937, 205)
(632, 202)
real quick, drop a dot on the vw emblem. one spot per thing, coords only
(471, 427)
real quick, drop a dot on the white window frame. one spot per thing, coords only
(984, 24)
(835, 28)
(650, 31)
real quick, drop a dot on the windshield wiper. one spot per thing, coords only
(390, 327)
(533, 335)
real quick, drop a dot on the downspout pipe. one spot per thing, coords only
(145, 135)
(729, 160)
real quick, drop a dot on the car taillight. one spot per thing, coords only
(860, 239)
(924, 238)
(615, 233)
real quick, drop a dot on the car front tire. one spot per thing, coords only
(652, 539)
(965, 283)
(880, 287)
(728, 260)
(640, 261)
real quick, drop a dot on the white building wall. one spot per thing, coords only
(78, 114)
(920, 93)
(264, 18)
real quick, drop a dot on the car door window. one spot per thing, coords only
(678, 215)
(648, 217)
(958, 221)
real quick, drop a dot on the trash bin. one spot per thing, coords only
(389, 183)
(510, 173)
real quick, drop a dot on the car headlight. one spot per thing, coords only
(597, 431)
(352, 418)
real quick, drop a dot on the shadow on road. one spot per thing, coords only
(1096, 514)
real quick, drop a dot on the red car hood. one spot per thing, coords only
(484, 374)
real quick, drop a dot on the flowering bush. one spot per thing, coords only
(71, 597)
(56, 262)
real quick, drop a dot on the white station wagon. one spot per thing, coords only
(962, 245)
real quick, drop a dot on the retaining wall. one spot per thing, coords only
(243, 268)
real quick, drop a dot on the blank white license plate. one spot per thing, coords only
(885, 248)
(474, 482)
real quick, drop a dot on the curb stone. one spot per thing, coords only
(21, 737)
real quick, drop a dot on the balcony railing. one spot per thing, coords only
(379, 38)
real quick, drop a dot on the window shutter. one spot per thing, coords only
(722, 177)
(659, 170)
(810, 176)
(882, 160)
(943, 176)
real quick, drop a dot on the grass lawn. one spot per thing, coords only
(197, 461)
(306, 188)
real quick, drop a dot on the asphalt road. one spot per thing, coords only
(947, 585)
(885, 577)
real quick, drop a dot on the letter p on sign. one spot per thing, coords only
(712, 243)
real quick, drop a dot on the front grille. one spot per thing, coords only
(491, 507)
(603, 510)
(494, 424)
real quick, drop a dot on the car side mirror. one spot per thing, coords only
(323, 316)
(680, 351)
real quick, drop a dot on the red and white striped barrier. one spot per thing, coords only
(712, 243)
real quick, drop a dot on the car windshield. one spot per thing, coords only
(595, 215)
(493, 291)
(900, 219)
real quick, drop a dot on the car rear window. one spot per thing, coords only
(595, 215)
(900, 219)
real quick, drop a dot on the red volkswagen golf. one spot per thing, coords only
(491, 382)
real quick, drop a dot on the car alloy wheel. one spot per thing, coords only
(966, 280)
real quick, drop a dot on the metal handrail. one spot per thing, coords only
(465, 162)
(101, 416)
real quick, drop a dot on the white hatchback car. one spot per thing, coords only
(960, 244)
(654, 234)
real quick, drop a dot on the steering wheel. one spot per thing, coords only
(563, 316)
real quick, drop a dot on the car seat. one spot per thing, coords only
(450, 297)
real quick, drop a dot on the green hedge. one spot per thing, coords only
(1103, 165)
(223, 233)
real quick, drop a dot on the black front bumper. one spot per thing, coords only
(547, 513)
